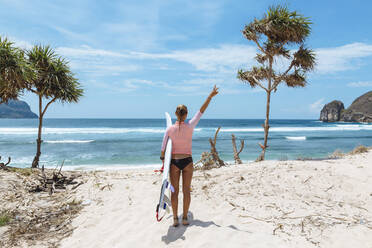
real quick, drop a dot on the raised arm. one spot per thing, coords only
(209, 98)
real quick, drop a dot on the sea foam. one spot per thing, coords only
(67, 141)
(296, 137)
(302, 129)
(51, 130)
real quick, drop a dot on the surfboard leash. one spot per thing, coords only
(161, 170)
(157, 214)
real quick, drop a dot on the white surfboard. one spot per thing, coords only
(164, 202)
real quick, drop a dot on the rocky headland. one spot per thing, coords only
(359, 111)
(16, 109)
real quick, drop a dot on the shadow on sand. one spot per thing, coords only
(175, 233)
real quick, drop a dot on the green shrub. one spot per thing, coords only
(4, 219)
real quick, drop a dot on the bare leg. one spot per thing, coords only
(175, 181)
(186, 187)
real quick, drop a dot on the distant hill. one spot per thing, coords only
(359, 111)
(16, 110)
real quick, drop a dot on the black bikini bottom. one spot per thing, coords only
(181, 163)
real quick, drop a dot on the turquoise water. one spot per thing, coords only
(113, 143)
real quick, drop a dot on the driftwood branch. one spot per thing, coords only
(236, 152)
(59, 172)
(214, 152)
(4, 165)
(215, 136)
(55, 180)
(211, 159)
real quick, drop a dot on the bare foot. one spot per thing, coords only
(175, 222)
(184, 221)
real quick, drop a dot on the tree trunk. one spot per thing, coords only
(266, 125)
(266, 128)
(35, 163)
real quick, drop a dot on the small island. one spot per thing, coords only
(15, 109)
(359, 111)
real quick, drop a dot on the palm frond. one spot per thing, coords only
(283, 25)
(55, 79)
(254, 75)
(295, 79)
(261, 58)
(304, 58)
(14, 71)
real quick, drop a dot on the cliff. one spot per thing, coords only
(331, 112)
(16, 109)
(359, 111)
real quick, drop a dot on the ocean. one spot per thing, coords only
(133, 143)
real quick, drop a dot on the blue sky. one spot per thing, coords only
(138, 59)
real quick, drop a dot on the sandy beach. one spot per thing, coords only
(325, 203)
(316, 203)
(270, 101)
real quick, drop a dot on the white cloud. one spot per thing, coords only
(213, 65)
(85, 50)
(360, 84)
(341, 58)
(316, 106)
(191, 87)
(228, 58)
(124, 86)
(223, 58)
(98, 62)
(21, 43)
(140, 35)
(204, 81)
(72, 35)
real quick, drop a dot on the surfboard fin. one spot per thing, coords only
(167, 209)
(171, 188)
(167, 200)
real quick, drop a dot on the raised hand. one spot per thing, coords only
(207, 101)
(214, 91)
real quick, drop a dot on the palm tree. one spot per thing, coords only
(14, 71)
(278, 28)
(54, 81)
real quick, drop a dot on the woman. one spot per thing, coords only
(181, 135)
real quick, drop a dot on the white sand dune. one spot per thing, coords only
(269, 204)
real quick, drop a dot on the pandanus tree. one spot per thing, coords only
(40, 71)
(54, 81)
(280, 34)
(14, 71)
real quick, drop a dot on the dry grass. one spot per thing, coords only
(22, 171)
(34, 218)
(206, 162)
(359, 149)
(337, 154)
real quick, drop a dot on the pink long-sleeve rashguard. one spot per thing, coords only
(181, 135)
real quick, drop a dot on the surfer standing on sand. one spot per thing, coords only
(181, 135)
